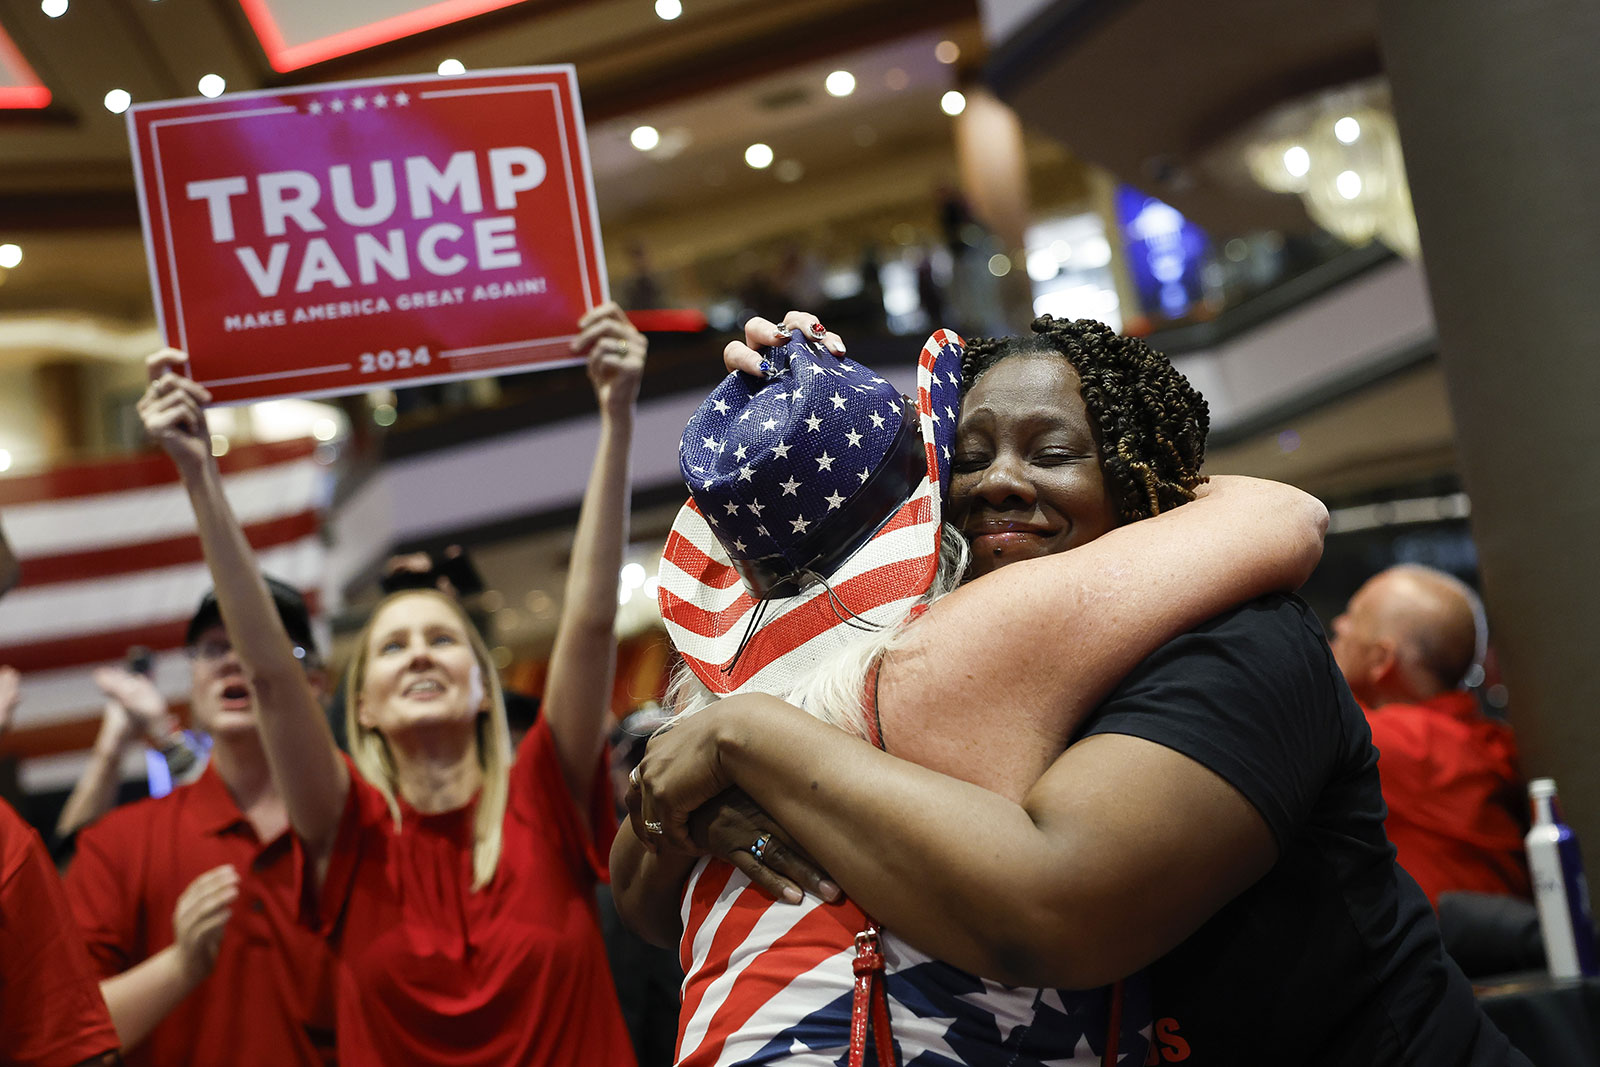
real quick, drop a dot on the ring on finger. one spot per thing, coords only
(652, 826)
(622, 349)
(633, 776)
(759, 848)
(818, 330)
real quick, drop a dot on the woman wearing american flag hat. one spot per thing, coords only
(814, 530)
(1024, 822)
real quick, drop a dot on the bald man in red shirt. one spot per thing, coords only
(1449, 773)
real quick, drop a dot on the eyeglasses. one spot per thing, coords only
(216, 651)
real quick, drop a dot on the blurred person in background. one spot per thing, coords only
(134, 711)
(454, 882)
(51, 1011)
(1405, 644)
(189, 903)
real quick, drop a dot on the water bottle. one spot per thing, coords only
(1559, 887)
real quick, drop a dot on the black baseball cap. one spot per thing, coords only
(291, 609)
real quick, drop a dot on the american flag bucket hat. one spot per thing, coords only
(815, 507)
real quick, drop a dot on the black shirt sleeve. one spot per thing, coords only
(1248, 695)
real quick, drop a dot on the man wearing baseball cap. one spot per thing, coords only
(189, 902)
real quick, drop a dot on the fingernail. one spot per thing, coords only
(791, 894)
(827, 890)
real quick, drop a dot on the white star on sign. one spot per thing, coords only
(770, 424)
(745, 473)
(946, 451)
(864, 475)
(797, 394)
(951, 378)
(877, 420)
(744, 415)
(709, 442)
(838, 401)
(337, 105)
(824, 462)
(948, 412)
(816, 369)
(401, 99)
(696, 469)
(722, 408)
(789, 487)
(755, 508)
(380, 101)
(359, 103)
(712, 519)
(799, 525)
(315, 107)
(733, 509)
(738, 545)
(813, 422)
(854, 438)
(834, 500)
(739, 452)
(762, 530)
(706, 484)
(781, 451)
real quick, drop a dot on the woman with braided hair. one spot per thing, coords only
(1214, 824)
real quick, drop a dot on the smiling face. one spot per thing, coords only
(1025, 477)
(220, 698)
(419, 667)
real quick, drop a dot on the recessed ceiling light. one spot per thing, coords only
(451, 67)
(758, 156)
(10, 256)
(5, 459)
(212, 85)
(54, 8)
(953, 103)
(645, 138)
(117, 101)
(790, 170)
(667, 10)
(1296, 160)
(1348, 183)
(1347, 129)
(840, 83)
(947, 51)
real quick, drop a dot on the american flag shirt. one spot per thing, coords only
(768, 982)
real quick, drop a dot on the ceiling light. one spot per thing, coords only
(1296, 160)
(212, 85)
(1043, 264)
(451, 67)
(117, 101)
(840, 83)
(947, 52)
(1348, 183)
(10, 256)
(1347, 129)
(5, 459)
(758, 156)
(896, 79)
(790, 170)
(999, 264)
(54, 8)
(667, 10)
(644, 138)
(953, 103)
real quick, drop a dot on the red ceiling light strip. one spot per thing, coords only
(32, 95)
(286, 57)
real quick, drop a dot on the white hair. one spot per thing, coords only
(833, 690)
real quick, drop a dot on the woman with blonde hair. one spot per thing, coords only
(453, 878)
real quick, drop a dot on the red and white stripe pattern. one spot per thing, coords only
(767, 982)
(110, 559)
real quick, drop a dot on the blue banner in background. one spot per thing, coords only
(1165, 253)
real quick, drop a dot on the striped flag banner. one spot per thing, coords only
(110, 559)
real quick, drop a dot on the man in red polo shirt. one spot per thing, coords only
(1449, 773)
(189, 903)
(51, 1014)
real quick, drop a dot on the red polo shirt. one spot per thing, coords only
(512, 974)
(269, 1001)
(51, 1014)
(1450, 780)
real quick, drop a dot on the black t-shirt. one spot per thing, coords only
(1334, 955)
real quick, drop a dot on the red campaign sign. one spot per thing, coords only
(337, 238)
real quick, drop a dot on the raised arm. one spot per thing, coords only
(134, 710)
(300, 749)
(577, 696)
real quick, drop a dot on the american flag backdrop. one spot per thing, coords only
(110, 559)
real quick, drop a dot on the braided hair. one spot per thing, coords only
(1149, 422)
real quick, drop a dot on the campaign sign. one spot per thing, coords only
(388, 232)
